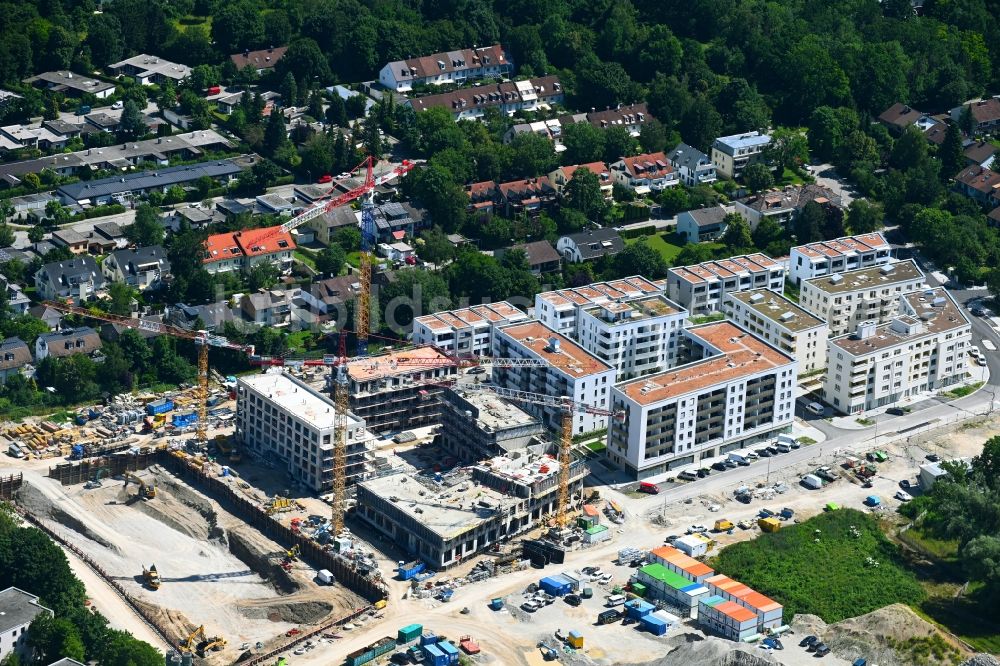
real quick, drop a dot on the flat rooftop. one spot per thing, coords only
(396, 363)
(522, 467)
(635, 286)
(295, 397)
(846, 246)
(925, 314)
(719, 269)
(741, 355)
(564, 355)
(495, 413)
(447, 509)
(868, 278)
(778, 309)
(636, 310)
(19, 608)
(500, 311)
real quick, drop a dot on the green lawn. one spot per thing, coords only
(354, 259)
(669, 245)
(305, 258)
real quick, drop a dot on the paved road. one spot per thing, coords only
(826, 175)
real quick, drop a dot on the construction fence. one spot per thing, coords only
(9, 484)
(69, 474)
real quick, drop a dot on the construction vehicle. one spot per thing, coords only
(278, 504)
(147, 490)
(723, 525)
(96, 481)
(292, 554)
(150, 577)
(198, 642)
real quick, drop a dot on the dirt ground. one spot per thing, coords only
(190, 540)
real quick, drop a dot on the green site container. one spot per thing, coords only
(410, 632)
(639, 589)
(587, 593)
(373, 651)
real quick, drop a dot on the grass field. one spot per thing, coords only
(669, 245)
(859, 572)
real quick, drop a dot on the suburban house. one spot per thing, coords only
(397, 252)
(212, 315)
(632, 117)
(980, 153)
(507, 97)
(19, 610)
(78, 279)
(26, 136)
(71, 84)
(650, 172)
(702, 224)
(446, 67)
(242, 250)
(394, 221)
(985, 115)
(783, 205)
(17, 302)
(732, 154)
(261, 60)
(52, 317)
(14, 357)
(994, 217)
(482, 198)
(327, 299)
(980, 184)
(541, 256)
(142, 268)
(693, 166)
(268, 307)
(531, 196)
(70, 239)
(590, 245)
(147, 70)
(899, 116)
(67, 342)
(563, 175)
(326, 226)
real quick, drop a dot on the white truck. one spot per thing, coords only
(812, 481)
(325, 577)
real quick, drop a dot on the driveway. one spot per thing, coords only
(827, 176)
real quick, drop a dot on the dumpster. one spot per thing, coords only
(373, 651)
(160, 406)
(496, 604)
(409, 570)
(638, 589)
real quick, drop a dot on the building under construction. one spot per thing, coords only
(445, 518)
(283, 420)
(399, 390)
(478, 424)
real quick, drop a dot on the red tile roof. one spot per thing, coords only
(262, 59)
(650, 165)
(249, 243)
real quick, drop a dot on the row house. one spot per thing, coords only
(454, 67)
(982, 185)
(985, 115)
(508, 97)
(561, 176)
(242, 250)
(650, 172)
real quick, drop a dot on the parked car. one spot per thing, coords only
(822, 650)
(981, 360)
(478, 370)
(807, 641)
(974, 351)
(573, 599)
(606, 578)
(763, 453)
(977, 311)
(530, 606)
(697, 529)
(905, 484)
(903, 496)
(895, 411)
(933, 457)
(720, 466)
(773, 450)
(816, 408)
(702, 473)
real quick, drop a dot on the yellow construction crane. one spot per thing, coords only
(147, 490)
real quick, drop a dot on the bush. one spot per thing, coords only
(641, 231)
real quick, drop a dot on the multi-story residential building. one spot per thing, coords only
(399, 390)
(781, 323)
(561, 176)
(493, 501)
(837, 256)
(147, 70)
(571, 371)
(454, 67)
(67, 342)
(650, 172)
(560, 310)
(78, 279)
(630, 116)
(637, 336)
(19, 610)
(136, 184)
(530, 195)
(465, 332)
(923, 348)
(731, 389)
(285, 421)
(507, 97)
(702, 224)
(784, 205)
(142, 268)
(701, 288)
(845, 300)
(242, 250)
(476, 425)
(732, 154)
(693, 166)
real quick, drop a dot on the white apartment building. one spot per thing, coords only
(282, 419)
(781, 323)
(571, 371)
(732, 154)
(465, 332)
(18, 609)
(637, 337)
(702, 288)
(837, 256)
(731, 390)
(923, 348)
(560, 310)
(845, 300)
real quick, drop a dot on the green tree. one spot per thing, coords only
(653, 136)
(55, 638)
(414, 292)
(584, 143)
(238, 26)
(443, 198)
(700, 124)
(275, 133)
(6, 235)
(864, 216)
(204, 77)
(758, 176)
(434, 246)
(618, 143)
(262, 276)
(737, 237)
(950, 153)
(583, 193)
(120, 649)
(289, 90)
(771, 238)
(789, 148)
(809, 223)
(36, 233)
(533, 155)
(120, 299)
(674, 200)
(306, 61)
(640, 259)
(146, 230)
(330, 260)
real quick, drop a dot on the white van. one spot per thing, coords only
(687, 475)
(816, 408)
(615, 600)
(784, 447)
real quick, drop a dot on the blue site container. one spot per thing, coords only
(653, 625)
(410, 569)
(160, 406)
(555, 586)
(435, 656)
(428, 639)
(638, 609)
(450, 651)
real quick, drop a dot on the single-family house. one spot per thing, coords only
(327, 299)
(326, 226)
(985, 114)
(78, 279)
(980, 153)
(52, 317)
(71, 84)
(783, 205)
(702, 224)
(898, 117)
(210, 316)
(268, 307)
(19, 610)
(590, 245)
(982, 185)
(142, 268)
(14, 357)
(693, 167)
(67, 342)
(242, 250)
(561, 176)
(70, 239)
(650, 172)
(147, 69)
(482, 198)
(541, 256)
(17, 302)
(631, 116)
(261, 60)
(397, 252)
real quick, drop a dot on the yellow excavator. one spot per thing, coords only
(147, 490)
(151, 577)
(293, 553)
(198, 642)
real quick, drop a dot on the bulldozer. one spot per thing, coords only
(200, 643)
(151, 577)
(147, 490)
